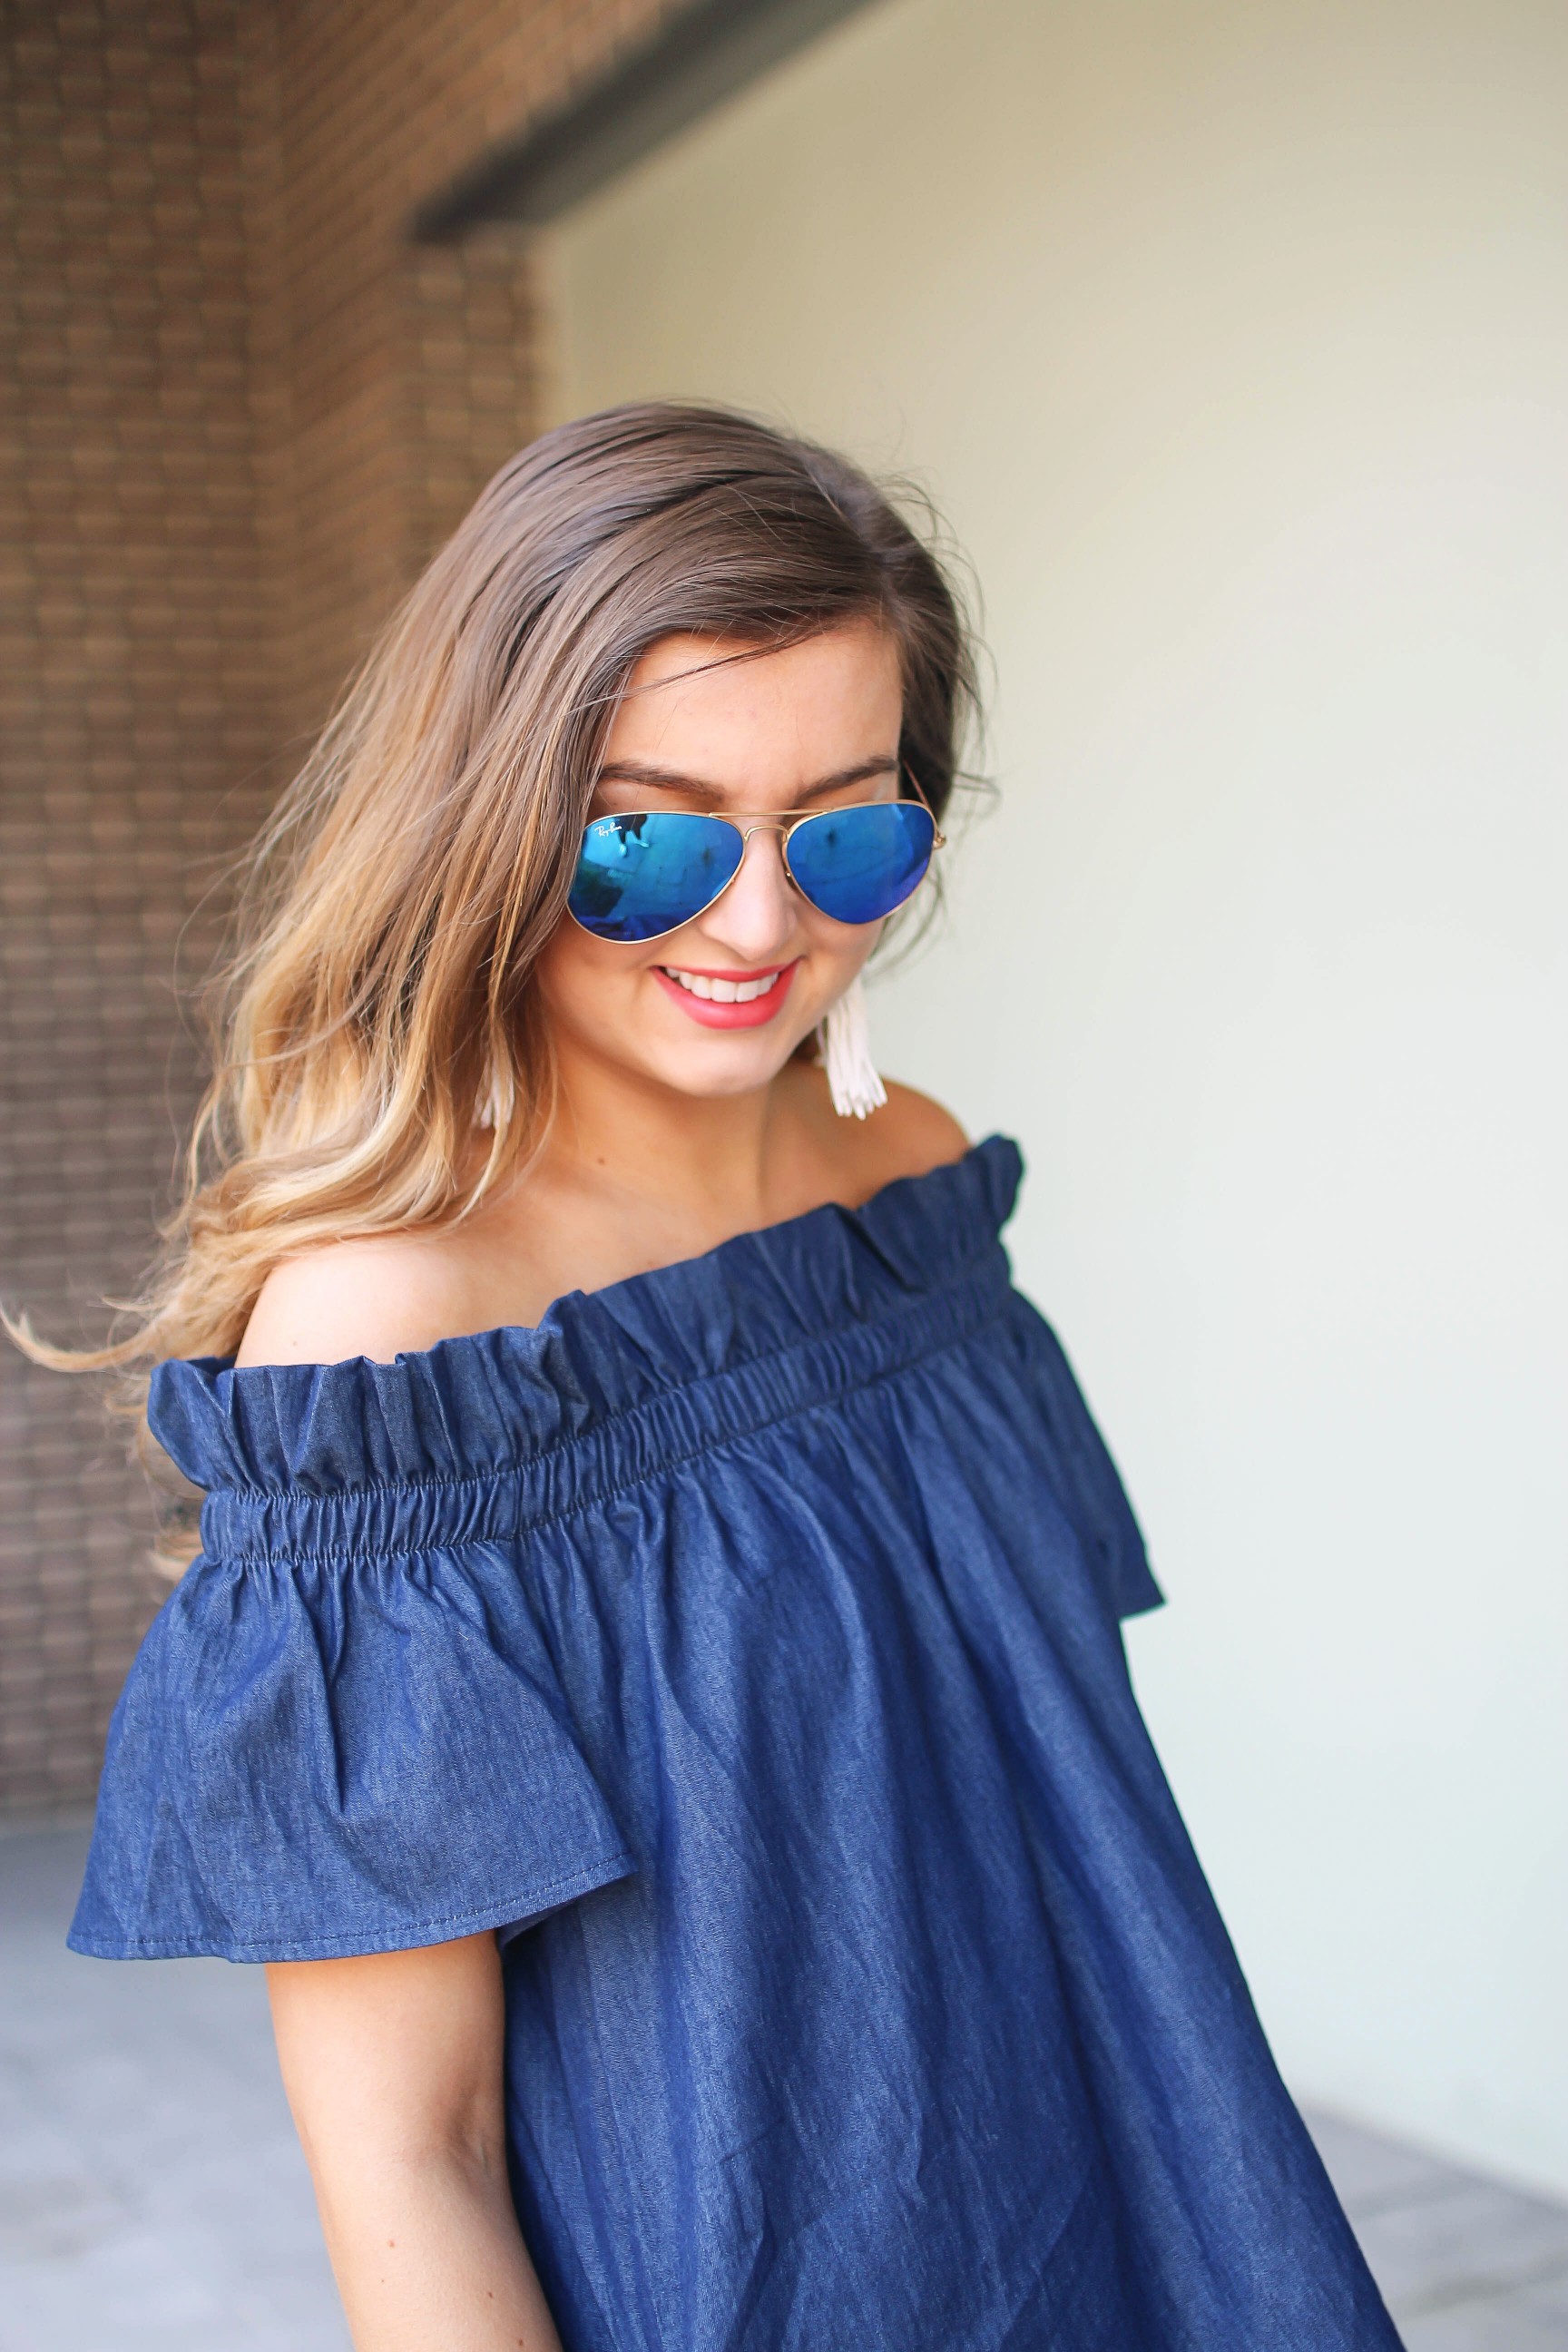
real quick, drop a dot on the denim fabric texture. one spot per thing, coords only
(744, 1643)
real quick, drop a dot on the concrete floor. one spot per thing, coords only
(152, 2193)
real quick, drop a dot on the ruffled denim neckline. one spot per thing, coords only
(486, 1402)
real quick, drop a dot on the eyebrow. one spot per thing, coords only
(638, 772)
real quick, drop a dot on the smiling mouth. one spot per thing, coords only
(727, 999)
(722, 988)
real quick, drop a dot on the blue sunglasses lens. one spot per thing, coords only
(640, 876)
(858, 863)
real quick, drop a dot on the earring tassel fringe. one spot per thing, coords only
(844, 1039)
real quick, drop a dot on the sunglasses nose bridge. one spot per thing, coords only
(780, 828)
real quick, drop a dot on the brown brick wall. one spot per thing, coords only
(410, 370)
(137, 701)
(239, 410)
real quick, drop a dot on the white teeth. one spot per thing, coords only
(721, 992)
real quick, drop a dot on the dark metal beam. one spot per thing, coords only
(710, 50)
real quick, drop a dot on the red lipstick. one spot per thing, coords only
(709, 1014)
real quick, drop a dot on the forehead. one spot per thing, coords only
(705, 703)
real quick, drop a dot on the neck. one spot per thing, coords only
(706, 1156)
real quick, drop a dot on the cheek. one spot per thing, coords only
(838, 951)
(579, 979)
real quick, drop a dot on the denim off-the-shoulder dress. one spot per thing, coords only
(743, 1645)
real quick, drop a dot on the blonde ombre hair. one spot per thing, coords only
(378, 1063)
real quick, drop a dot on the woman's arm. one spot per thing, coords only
(392, 2067)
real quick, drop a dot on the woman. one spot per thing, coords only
(652, 1690)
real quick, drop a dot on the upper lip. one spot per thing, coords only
(702, 971)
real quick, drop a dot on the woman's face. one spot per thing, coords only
(814, 726)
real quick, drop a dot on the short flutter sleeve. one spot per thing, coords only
(350, 1728)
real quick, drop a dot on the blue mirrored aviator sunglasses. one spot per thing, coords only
(640, 876)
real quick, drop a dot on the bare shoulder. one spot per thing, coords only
(908, 1136)
(378, 1296)
(912, 1133)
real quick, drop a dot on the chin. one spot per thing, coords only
(720, 1070)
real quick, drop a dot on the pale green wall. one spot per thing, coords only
(1233, 339)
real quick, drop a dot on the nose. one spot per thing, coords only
(759, 913)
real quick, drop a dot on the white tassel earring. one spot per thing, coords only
(494, 1105)
(844, 1039)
